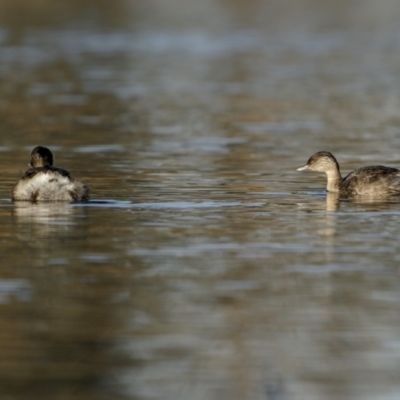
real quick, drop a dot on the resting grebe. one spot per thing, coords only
(44, 182)
(366, 181)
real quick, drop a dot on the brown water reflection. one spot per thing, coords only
(206, 267)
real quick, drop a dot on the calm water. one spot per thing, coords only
(206, 267)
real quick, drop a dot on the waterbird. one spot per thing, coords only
(45, 182)
(375, 180)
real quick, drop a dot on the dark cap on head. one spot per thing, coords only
(41, 157)
(322, 161)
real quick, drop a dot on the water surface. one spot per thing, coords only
(206, 266)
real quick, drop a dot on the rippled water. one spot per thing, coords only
(205, 266)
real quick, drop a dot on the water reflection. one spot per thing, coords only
(46, 226)
(50, 216)
(334, 202)
(15, 289)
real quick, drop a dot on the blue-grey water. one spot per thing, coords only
(206, 267)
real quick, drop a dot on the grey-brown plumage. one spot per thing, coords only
(374, 180)
(44, 182)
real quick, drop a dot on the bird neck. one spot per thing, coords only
(334, 180)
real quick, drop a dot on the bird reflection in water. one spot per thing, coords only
(47, 216)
